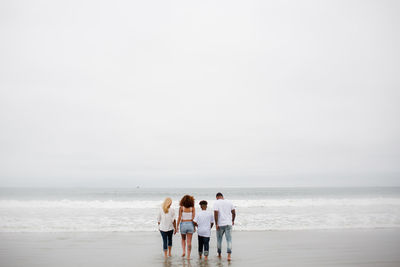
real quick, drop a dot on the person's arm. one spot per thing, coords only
(216, 219)
(174, 223)
(195, 221)
(159, 217)
(179, 218)
(233, 216)
(193, 215)
(212, 222)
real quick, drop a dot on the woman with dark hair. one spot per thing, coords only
(185, 222)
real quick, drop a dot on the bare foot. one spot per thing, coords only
(183, 255)
(188, 258)
(206, 257)
(229, 256)
(219, 255)
(169, 255)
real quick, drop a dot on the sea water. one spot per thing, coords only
(135, 209)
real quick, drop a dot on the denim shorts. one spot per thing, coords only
(187, 228)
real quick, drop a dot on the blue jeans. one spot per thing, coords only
(227, 230)
(167, 239)
(204, 242)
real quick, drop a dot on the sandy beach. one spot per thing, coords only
(275, 248)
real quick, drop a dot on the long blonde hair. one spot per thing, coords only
(166, 204)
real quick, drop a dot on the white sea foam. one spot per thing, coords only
(80, 204)
(255, 214)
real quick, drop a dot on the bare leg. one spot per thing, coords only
(165, 254)
(183, 245)
(189, 245)
(169, 251)
(229, 256)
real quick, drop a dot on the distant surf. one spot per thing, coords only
(263, 209)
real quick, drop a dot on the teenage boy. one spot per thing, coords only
(204, 221)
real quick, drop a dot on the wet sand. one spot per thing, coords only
(276, 248)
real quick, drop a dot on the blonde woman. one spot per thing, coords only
(167, 225)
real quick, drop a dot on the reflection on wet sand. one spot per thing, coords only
(175, 262)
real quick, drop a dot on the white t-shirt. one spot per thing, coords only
(166, 220)
(224, 208)
(204, 219)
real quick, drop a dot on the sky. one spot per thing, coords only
(199, 93)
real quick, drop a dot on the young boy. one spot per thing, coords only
(204, 221)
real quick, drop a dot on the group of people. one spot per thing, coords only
(188, 220)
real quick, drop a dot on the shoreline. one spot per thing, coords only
(212, 231)
(345, 247)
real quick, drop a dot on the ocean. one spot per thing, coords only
(258, 209)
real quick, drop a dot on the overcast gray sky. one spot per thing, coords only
(199, 93)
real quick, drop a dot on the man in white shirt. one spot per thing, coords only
(204, 221)
(224, 215)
